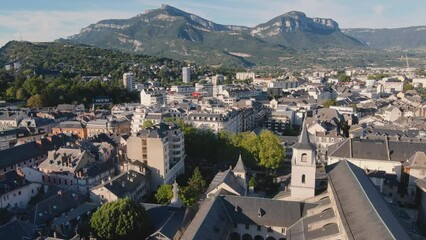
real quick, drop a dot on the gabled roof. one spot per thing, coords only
(216, 215)
(164, 220)
(54, 206)
(418, 160)
(20, 153)
(240, 167)
(16, 229)
(363, 211)
(125, 183)
(304, 142)
(378, 148)
(227, 177)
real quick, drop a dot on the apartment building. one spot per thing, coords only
(160, 147)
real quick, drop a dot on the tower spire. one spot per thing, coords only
(240, 167)
(304, 142)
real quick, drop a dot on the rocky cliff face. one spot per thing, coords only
(294, 22)
(171, 32)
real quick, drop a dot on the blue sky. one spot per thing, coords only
(47, 20)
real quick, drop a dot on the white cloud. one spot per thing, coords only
(378, 9)
(40, 26)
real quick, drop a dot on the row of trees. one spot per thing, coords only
(263, 150)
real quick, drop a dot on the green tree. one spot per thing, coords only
(378, 76)
(408, 86)
(121, 219)
(21, 94)
(147, 124)
(189, 196)
(344, 78)
(11, 92)
(330, 102)
(197, 182)
(36, 101)
(164, 194)
(271, 152)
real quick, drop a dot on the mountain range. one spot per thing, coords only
(171, 32)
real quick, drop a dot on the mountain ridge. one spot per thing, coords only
(174, 33)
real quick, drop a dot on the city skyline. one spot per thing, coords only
(47, 20)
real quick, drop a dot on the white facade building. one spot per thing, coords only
(186, 74)
(153, 96)
(129, 81)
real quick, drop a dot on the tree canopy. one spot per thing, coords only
(330, 102)
(164, 194)
(121, 219)
(344, 78)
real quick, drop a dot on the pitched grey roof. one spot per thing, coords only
(304, 142)
(158, 130)
(16, 229)
(125, 183)
(164, 220)
(213, 220)
(11, 115)
(421, 183)
(364, 213)
(418, 160)
(240, 167)
(54, 206)
(273, 212)
(71, 124)
(210, 222)
(301, 229)
(227, 177)
(376, 149)
(11, 181)
(20, 153)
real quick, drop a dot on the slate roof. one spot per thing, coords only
(301, 229)
(304, 142)
(99, 168)
(240, 167)
(67, 159)
(11, 115)
(158, 130)
(124, 183)
(273, 212)
(74, 213)
(71, 124)
(216, 215)
(376, 149)
(421, 183)
(364, 213)
(164, 220)
(417, 161)
(227, 177)
(20, 153)
(16, 229)
(54, 206)
(210, 222)
(11, 181)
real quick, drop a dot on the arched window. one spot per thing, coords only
(304, 157)
(303, 178)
